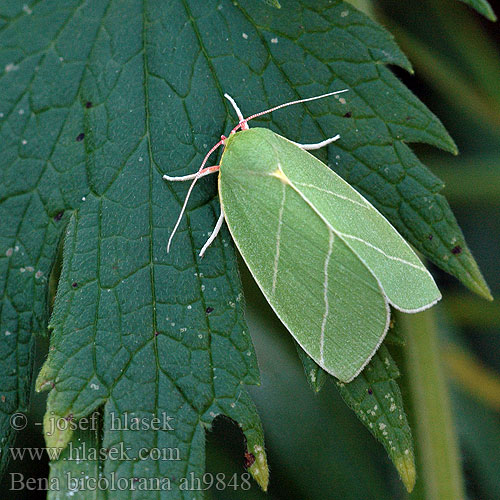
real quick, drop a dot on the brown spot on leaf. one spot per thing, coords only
(208, 310)
(348, 115)
(74, 284)
(249, 459)
(88, 104)
(80, 137)
(370, 390)
(430, 236)
(58, 216)
(456, 250)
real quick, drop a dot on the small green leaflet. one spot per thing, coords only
(315, 375)
(326, 260)
(483, 7)
(376, 399)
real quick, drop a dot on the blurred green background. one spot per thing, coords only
(317, 448)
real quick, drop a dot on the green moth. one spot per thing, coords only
(328, 262)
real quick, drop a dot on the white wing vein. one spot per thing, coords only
(342, 197)
(348, 236)
(278, 239)
(325, 297)
(391, 257)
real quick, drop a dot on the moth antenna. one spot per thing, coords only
(241, 118)
(195, 178)
(284, 105)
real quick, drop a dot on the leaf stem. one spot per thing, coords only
(436, 441)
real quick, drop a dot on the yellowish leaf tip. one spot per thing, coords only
(43, 381)
(259, 468)
(482, 289)
(490, 14)
(474, 279)
(405, 465)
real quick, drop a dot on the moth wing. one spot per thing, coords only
(405, 281)
(324, 294)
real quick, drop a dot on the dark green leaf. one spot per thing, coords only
(37, 182)
(315, 375)
(395, 334)
(376, 399)
(73, 468)
(140, 352)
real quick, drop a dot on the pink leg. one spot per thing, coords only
(202, 172)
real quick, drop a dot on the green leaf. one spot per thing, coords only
(92, 126)
(376, 399)
(395, 334)
(97, 103)
(124, 350)
(483, 7)
(37, 183)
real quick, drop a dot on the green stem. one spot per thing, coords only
(437, 450)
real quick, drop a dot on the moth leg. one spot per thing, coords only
(201, 173)
(318, 145)
(215, 232)
(195, 177)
